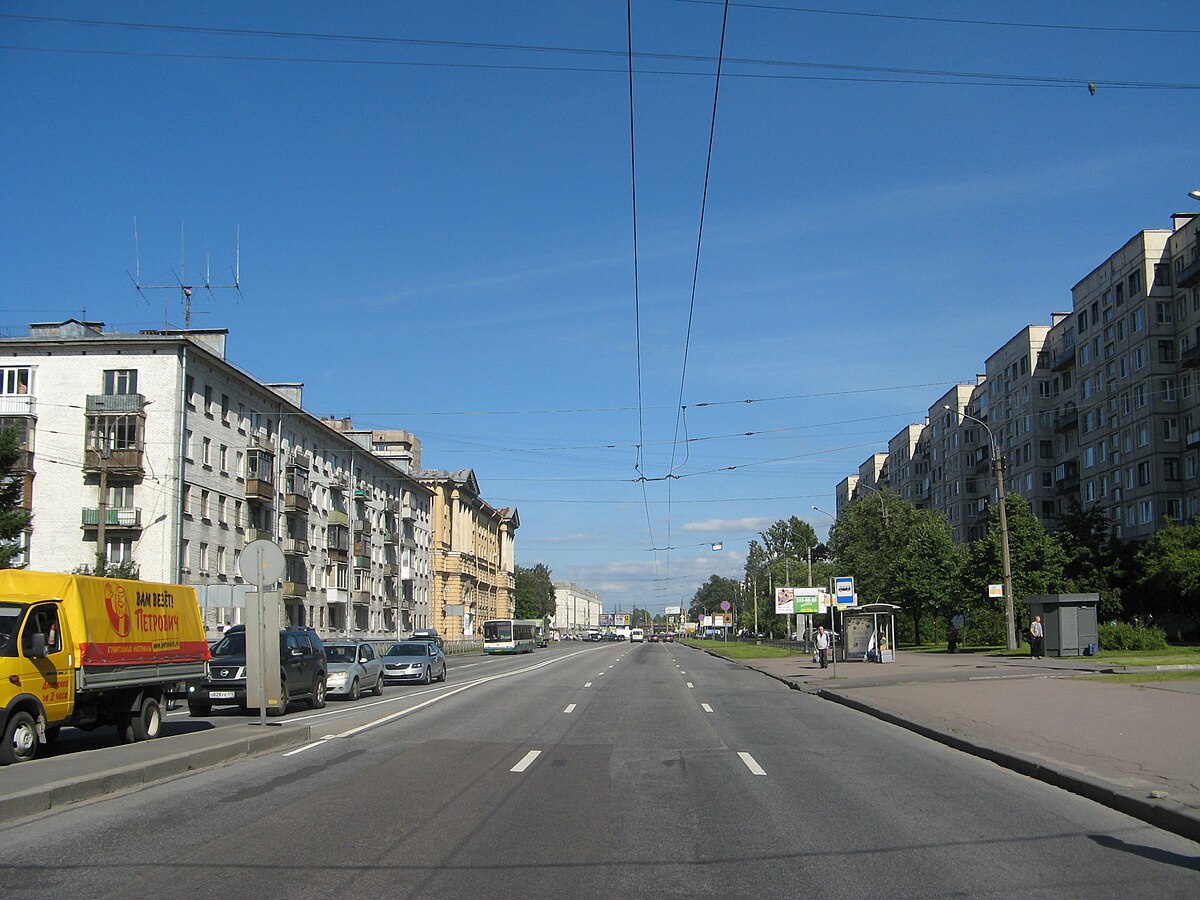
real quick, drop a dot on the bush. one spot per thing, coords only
(984, 628)
(1128, 637)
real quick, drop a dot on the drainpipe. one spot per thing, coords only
(183, 403)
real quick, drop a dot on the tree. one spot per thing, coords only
(1169, 568)
(535, 593)
(14, 518)
(1037, 560)
(128, 570)
(1095, 561)
(791, 543)
(708, 596)
(924, 572)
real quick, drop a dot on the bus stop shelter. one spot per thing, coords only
(870, 632)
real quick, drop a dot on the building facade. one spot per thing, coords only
(1101, 408)
(576, 609)
(473, 566)
(152, 448)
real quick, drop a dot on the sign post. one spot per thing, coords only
(261, 562)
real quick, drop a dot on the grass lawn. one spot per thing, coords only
(1134, 678)
(1173, 656)
(738, 650)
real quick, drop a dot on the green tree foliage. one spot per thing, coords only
(1169, 568)
(535, 592)
(102, 568)
(1037, 561)
(1096, 563)
(14, 518)
(906, 558)
(709, 595)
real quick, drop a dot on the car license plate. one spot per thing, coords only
(220, 695)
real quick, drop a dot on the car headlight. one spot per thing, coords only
(336, 678)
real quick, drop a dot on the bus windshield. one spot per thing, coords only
(497, 631)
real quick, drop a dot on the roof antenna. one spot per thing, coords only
(182, 284)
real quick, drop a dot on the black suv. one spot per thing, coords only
(301, 664)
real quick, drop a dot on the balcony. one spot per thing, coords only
(362, 562)
(1067, 419)
(18, 405)
(259, 490)
(295, 546)
(390, 570)
(258, 534)
(295, 504)
(390, 537)
(1062, 358)
(297, 590)
(1190, 358)
(406, 512)
(336, 595)
(339, 484)
(1193, 439)
(114, 517)
(1189, 275)
(360, 598)
(362, 527)
(338, 518)
(115, 462)
(337, 550)
(110, 404)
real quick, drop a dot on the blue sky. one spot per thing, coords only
(436, 225)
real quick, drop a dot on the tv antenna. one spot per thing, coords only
(185, 289)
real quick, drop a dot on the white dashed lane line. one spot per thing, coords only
(754, 767)
(570, 708)
(526, 761)
(587, 684)
(706, 707)
(689, 684)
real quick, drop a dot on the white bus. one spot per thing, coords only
(510, 635)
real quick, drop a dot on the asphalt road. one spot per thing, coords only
(611, 770)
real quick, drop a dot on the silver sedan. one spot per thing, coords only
(414, 661)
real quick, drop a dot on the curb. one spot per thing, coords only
(1167, 814)
(57, 794)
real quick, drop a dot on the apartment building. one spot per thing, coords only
(575, 608)
(471, 555)
(1101, 407)
(153, 448)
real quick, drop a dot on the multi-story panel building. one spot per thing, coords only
(950, 457)
(153, 448)
(903, 463)
(575, 609)
(471, 554)
(1184, 249)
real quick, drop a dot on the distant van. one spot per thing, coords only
(637, 636)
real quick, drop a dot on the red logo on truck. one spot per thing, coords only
(117, 607)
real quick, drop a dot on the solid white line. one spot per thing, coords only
(587, 684)
(755, 768)
(706, 707)
(690, 684)
(526, 761)
(570, 708)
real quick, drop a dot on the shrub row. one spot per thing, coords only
(1128, 637)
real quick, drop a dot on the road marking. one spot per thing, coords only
(689, 684)
(755, 768)
(610, 667)
(587, 684)
(706, 707)
(442, 695)
(570, 708)
(527, 761)
(681, 672)
(598, 674)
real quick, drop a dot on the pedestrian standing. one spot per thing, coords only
(1035, 638)
(823, 646)
(952, 639)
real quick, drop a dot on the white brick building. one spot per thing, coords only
(156, 449)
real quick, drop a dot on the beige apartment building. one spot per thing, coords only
(1101, 407)
(473, 565)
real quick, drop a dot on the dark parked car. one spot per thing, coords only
(429, 634)
(421, 661)
(301, 663)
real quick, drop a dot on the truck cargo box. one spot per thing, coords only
(117, 623)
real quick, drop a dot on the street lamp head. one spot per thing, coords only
(1195, 195)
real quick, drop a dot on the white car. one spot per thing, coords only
(637, 636)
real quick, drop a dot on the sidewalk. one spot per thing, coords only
(1133, 747)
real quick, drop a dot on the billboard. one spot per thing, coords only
(673, 611)
(621, 620)
(801, 601)
(606, 620)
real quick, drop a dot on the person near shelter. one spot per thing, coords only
(823, 646)
(1036, 637)
(952, 639)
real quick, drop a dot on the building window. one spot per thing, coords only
(223, 459)
(204, 505)
(1139, 358)
(238, 521)
(204, 560)
(1162, 313)
(1143, 434)
(118, 550)
(1171, 468)
(221, 510)
(15, 381)
(225, 409)
(1135, 282)
(1143, 473)
(1139, 396)
(1170, 429)
(208, 401)
(120, 381)
(1166, 351)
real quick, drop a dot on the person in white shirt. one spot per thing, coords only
(823, 646)
(1036, 638)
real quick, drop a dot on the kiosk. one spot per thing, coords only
(1068, 623)
(870, 632)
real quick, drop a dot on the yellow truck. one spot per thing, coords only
(87, 652)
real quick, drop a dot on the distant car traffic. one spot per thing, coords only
(420, 661)
(353, 668)
(637, 636)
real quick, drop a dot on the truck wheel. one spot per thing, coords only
(318, 697)
(198, 708)
(146, 724)
(20, 739)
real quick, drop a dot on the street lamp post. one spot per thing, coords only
(998, 471)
